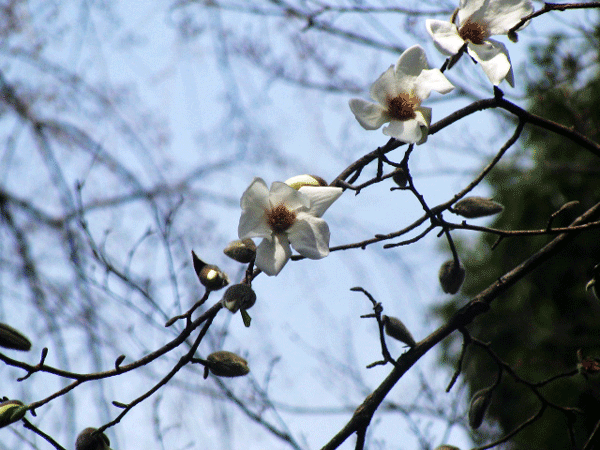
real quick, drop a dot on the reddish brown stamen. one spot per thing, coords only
(473, 32)
(280, 218)
(402, 107)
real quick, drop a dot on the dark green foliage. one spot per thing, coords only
(539, 324)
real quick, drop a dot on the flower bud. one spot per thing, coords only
(11, 411)
(513, 36)
(87, 440)
(13, 339)
(396, 329)
(227, 364)
(238, 296)
(210, 276)
(242, 251)
(474, 207)
(446, 447)
(305, 180)
(479, 405)
(451, 276)
(400, 177)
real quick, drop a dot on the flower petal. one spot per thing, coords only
(472, 9)
(412, 62)
(431, 80)
(290, 197)
(253, 223)
(310, 236)
(321, 198)
(370, 115)
(501, 16)
(494, 60)
(256, 195)
(271, 256)
(408, 131)
(445, 36)
(424, 119)
(385, 87)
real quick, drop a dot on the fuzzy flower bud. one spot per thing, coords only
(210, 276)
(474, 207)
(446, 447)
(396, 329)
(305, 180)
(238, 296)
(87, 440)
(479, 405)
(13, 339)
(400, 177)
(11, 411)
(242, 251)
(226, 364)
(451, 276)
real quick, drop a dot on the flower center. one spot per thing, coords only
(280, 218)
(403, 107)
(473, 32)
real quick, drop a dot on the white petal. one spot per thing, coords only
(290, 197)
(432, 80)
(408, 131)
(423, 119)
(445, 36)
(473, 9)
(502, 15)
(271, 256)
(253, 223)
(256, 195)
(385, 87)
(321, 198)
(370, 115)
(494, 60)
(412, 62)
(310, 236)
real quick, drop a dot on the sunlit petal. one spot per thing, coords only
(271, 256)
(370, 115)
(321, 198)
(310, 236)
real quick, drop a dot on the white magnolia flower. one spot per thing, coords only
(284, 216)
(399, 92)
(477, 21)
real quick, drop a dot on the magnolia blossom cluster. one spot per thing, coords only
(400, 90)
(288, 215)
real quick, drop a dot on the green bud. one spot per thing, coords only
(238, 296)
(396, 329)
(451, 276)
(13, 339)
(242, 251)
(89, 440)
(478, 407)
(305, 180)
(474, 207)
(227, 364)
(11, 411)
(400, 177)
(210, 276)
